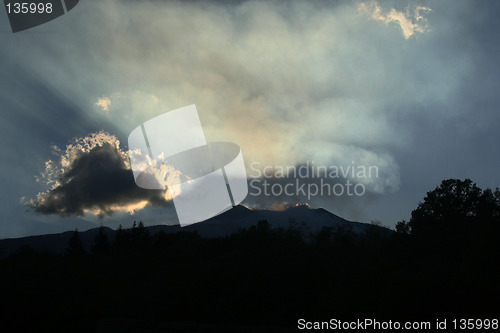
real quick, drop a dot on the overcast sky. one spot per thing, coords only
(410, 87)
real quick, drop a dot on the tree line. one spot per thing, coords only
(442, 263)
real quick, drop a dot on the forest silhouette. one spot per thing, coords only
(442, 263)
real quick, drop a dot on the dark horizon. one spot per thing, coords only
(264, 278)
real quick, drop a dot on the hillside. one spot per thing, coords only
(307, 220)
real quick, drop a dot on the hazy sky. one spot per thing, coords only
(410, 87)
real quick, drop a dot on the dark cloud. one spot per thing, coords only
(93, 176)
(316, 186)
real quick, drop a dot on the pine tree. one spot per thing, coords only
(101, 243)
(75, 246)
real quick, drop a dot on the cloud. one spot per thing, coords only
(343, 187)
(288, 81)
(278, 81)
(92, 175)
(410, 21)
(103, 103)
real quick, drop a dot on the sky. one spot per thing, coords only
(408, 87)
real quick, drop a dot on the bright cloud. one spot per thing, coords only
(92, 176)
(103, 103)
(411, 21)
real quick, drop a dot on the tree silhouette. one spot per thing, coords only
(101, 243)
(120, 242)
(453, 206)
(75, 246)
(443, 262)
(403, 227)
(140, 241)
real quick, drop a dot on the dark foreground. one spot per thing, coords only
(259, 279)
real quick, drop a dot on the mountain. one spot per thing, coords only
(305, 219)
(42, 225)
(300, 217)
(52, 242)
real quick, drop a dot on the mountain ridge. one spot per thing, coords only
(303, 218)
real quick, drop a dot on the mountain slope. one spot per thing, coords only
(303, 218)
